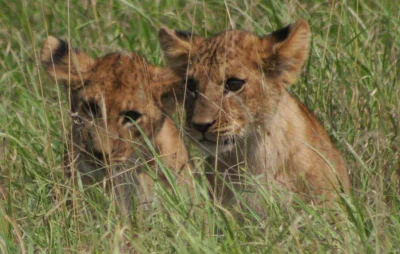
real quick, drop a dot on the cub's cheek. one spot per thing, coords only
(126, 150)
(130, 135)
(236, 109)
(239, 120)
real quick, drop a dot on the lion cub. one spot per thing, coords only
(238, 109)
(115, 102)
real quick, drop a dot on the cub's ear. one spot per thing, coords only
(64, 63)
(287, 49)
(178, 46)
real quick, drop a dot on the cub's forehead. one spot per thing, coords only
(119, 66)
(118, 73)
(119, 81)
(229, 50)
(227, 43)
(116, 99)
(98, 87)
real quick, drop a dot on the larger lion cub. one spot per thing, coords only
(115, 106)
(239, 111)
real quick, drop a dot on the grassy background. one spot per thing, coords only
(351, 82)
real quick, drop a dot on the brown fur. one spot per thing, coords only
(105, 94)
(260, 127)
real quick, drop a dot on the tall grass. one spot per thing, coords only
(351, 81)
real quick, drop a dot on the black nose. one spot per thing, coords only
(201, 127)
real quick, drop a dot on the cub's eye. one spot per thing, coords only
(130, 116)
(91, 109)
(191, 85)
(234, 84)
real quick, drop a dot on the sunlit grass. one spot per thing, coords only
(351, 82)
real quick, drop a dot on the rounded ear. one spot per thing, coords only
(178, 46)
(287, 50)
(65, 63)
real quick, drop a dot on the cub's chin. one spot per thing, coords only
(210, 144)
(213, 148)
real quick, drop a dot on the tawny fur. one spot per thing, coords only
(275, 136)
(105, 94)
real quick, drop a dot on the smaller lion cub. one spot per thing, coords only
(239, 111)
(115, 106)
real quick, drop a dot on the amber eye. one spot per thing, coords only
(191, 85)
(91, 109)
(234, 84)
(130, 116)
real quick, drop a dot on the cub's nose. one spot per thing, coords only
(201, 127)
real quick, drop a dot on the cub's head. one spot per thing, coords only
(112, 98)
(234, 80)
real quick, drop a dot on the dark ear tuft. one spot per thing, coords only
(286, 51)
(281, 34)
(53, 50)
(61, 51)
(178, 47)
(184, 35)
(63, 63)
